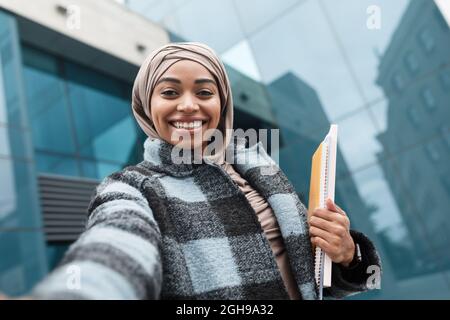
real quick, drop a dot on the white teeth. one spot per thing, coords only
(187, 125)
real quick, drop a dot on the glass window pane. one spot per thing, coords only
(11, 86)
(23, 261)
(445, 80)
(414, 115)
(219, 16)
(445, 131)
(357, 140)
(411, 62)
(56, 164)
(428, 99)
(414, 177)
(47, 104)
(308, 49)
(18, 196)
(391, 216)
(12, 143)
(364, 30)
(427, 40)
(432, 151)
(99, 170)
(256, 14)
(105, 127)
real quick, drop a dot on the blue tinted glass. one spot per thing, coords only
(415, 115)
(12, 143)
(417, 180)
(55, 252)
(47, 103)
(314, 57)
(357, 139)
(23, 261)
(18, 195)
(99, 170)
(219, 16)
(11, 90)
(56, 164)
(297, 108)
(378, 204)
(101, 108)
(262, 12)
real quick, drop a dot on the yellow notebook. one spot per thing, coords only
(323, 176)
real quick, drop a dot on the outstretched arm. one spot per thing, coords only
(118, 255)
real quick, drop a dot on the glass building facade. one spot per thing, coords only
(59, 120)
(93, 112)
(378, 69)
(381, 72)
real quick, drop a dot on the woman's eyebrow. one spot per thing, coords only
(170, 79)
(205, 80)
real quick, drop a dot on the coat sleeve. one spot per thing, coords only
(363, 276)
(118, 254)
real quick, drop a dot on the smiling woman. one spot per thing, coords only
(185, 99)
(209, 230)
(185, 83)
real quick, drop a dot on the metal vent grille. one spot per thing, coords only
(64, 202)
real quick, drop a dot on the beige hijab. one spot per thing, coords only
(154, 67)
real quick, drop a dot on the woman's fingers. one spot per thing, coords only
(323, 213)
(331, 217)
(325, 235)
(334, 207)
(322, 244)
(329, 226)
(321, 223)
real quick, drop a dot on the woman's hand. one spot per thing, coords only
(330, 230)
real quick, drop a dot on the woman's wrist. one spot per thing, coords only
(355, 259)
(346, 262)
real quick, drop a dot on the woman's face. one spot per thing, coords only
(184, 101)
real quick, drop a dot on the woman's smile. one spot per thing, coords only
(191, 125)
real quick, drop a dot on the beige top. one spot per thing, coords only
(271, 229)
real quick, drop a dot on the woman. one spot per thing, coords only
(202, 230)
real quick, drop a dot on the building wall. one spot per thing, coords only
(104, 25)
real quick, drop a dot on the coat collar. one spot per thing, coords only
(158, 155)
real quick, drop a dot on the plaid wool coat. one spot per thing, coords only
(160, 230)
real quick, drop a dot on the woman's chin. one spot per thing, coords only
(187, 138)
(189, 142)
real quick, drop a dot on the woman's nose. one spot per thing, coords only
(187, 105)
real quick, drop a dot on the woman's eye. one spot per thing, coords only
(169, 93)
(205, 93)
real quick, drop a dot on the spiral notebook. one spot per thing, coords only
(323, 176)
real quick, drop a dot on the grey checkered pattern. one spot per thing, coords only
(186, 231)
